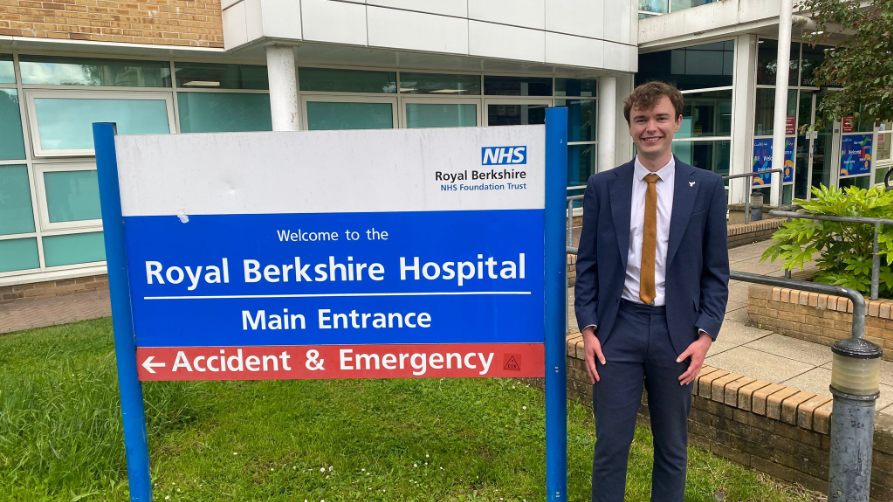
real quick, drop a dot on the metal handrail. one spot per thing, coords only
(747, 192)
(876, 222)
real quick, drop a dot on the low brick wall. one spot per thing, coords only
(741, 235)
(777, 430)
(50, 289)
(818, 318)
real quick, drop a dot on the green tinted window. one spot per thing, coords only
(15, 201)
(12, 147)
(7, 72)
(708, 114)
(580, 164)
(431, 83)
(440, 115)
(329, 80)
(224, 112)
(72, 249)
(221, 76)
(575, 87)
(517, 86)
(72, 195)
(46, 70)
(66, 124)
(765, 110)
(581, 118)
(18, 254)
(710, 155)
(332, 116)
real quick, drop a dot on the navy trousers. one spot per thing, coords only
(639, 352)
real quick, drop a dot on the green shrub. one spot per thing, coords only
(845, 249)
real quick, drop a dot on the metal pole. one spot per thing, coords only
(786, 9)
(283, 87)
(875, 263)
(747, 201)
(556, 306)
(133, 412)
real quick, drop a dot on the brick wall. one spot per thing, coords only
(740, 235)
(778, 430)
(49, 289)
(818, 318)
(155, 22)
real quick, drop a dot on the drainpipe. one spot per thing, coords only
(607, 120)
(283, 87)
(785, 20)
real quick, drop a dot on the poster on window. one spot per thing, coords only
(762, 161)
(855, 155)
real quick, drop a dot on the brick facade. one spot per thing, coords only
(740, 235)
(194, 23)
(818, 318)
(777, 430)
(50, 289)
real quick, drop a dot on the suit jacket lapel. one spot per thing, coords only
(621, 194)
(684, 195)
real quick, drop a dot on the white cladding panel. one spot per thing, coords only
(456, 8)
(335, 22)
(574, 51)
(577, 17)
(235, 33)
(402, 29)
(282, 18)
(506, 42)
(526, 13)
(322, 171)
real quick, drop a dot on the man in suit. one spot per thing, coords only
(651, 292)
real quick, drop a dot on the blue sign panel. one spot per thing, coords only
(855, 155)
(762, 161)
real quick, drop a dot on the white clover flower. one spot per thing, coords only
(322, 469)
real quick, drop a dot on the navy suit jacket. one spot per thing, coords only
(697, 275)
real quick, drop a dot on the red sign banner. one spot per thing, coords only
(790, 126)
(847, 125)
(501, 360)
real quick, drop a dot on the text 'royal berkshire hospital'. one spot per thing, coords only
(198, 66)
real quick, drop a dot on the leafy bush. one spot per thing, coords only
(845, 249)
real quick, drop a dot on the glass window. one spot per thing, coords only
(72, 195)
(517, 86)
(883, 146)
(710, 155)
(696, 67)
(431, 83)
(15, 201)
(581, 116)
(706, 114)
(221, 76)
(66, 124)
(767, 65)
(575, 87)
(580, 164)
(440, 115)
(224, 112)
(512, 114)
(72, 249)
(18, 254)
(661, 6)
(880, 173)
(7, 71)
(677, 5)
(323, 115)
(858, 181)
(47, 70)
(813, 57)
(765, 111)
(12, 146)
(329, 80)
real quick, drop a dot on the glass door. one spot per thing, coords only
(503, 111)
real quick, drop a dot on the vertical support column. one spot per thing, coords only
(283, 87)
(133, 411)
(607, 105)
(556, 305)
(743, 105)
(781, 96)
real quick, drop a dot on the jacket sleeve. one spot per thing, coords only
(586, 287)
(715, 274)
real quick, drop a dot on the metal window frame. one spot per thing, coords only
(341, 98)
(41, 169)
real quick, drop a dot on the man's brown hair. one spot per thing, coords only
(647, 95)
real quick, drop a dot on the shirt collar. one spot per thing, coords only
(663, 173)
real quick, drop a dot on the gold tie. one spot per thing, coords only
(649, 242)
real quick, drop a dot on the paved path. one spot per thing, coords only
(740, 348)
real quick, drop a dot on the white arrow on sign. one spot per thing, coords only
(148, 364)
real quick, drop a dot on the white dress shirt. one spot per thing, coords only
(665, 188)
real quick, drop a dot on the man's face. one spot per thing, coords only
(652, 130)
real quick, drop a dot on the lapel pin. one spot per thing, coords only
(691, 183)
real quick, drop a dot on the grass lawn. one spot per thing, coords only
(370, 440)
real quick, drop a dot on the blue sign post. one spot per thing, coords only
(453, 265)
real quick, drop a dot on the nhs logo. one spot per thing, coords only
(497, 155)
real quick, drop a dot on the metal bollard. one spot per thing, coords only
(855, 374)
